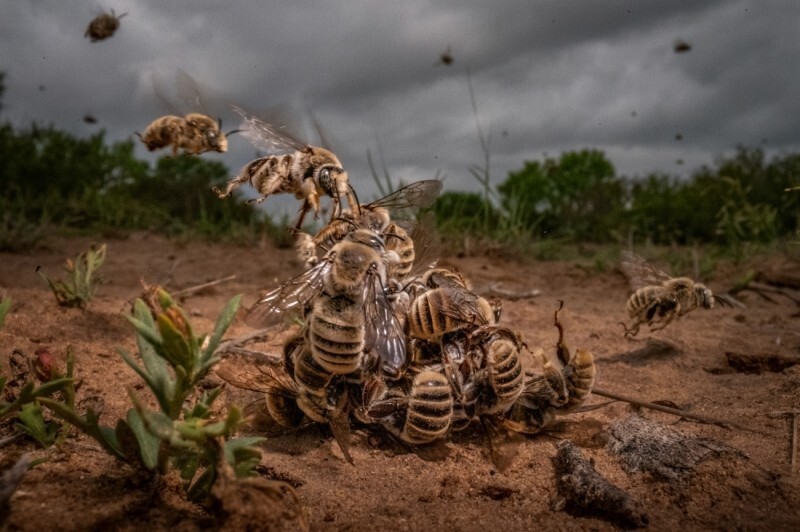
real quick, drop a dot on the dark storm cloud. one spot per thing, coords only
(547, 76)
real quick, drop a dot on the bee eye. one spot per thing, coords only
(325, 174)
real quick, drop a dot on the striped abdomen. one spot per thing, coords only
(505, 373)
(336, 334)
(430, 408)
(443, 310)
(580, 377)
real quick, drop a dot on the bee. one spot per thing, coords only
(562, 388)
(306, 171)
(280, 391)
(103, 26)
(351, 322)
(418, 413)
(377, 215)
(658, 298)
(498, 376)
(444, 310)
(445, 58)
(195, 133)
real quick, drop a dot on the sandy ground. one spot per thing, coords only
(452, 486)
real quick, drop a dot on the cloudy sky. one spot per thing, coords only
(548, 76)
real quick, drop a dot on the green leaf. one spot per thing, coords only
(159, 389)
(34, 425)
(148, 443)
(223, 322)
(202, 487)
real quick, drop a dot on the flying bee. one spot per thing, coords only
(306, 171)
(351, 322)
(444, 310)
(195, 134)
(658, 297)
(418, 413)
(103, 26)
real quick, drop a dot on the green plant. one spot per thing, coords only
(81, 282)
(24, 403)
(5, 307)
(183, 432)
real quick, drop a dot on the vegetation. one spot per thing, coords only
(81, 282)
(184, 432)
(738, 203)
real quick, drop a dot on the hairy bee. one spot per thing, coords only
(444, 310)
(377, 215)
(195, 134)
(658, 298)
(497, 374)
(103, 26)
(280, 391)
(351, 322)
(418, 413)
(307, 171)
(562, 388)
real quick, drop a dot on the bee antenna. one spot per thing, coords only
(232, 131)
(138, 135)
(219, 121)
(355, 197)
(122, 15)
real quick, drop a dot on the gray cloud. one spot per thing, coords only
(547, 77)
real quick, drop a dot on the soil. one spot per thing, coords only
(734, 364)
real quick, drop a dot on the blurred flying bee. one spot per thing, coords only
(89, 119)
(308, 171)
(350, 321)
(418, 412)
(446, 58)
(103, 26)
(194, 133)
(681, 46)
(658, 298)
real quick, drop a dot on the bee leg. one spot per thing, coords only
(303, 210)
(669, 317)
(632, 331)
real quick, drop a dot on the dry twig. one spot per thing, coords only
(674, 411)
(201, 286)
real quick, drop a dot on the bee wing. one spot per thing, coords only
(383, 331)
(254, 374)
(189, 91)
(275, 139)
(289, 299)
(427, 245)
(418, 194)
(463, 306)
(640, 272)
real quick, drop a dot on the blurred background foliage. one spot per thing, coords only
(53, 179)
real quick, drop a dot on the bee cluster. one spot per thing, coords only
(391, 340)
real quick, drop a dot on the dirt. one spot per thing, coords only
(734, 364)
